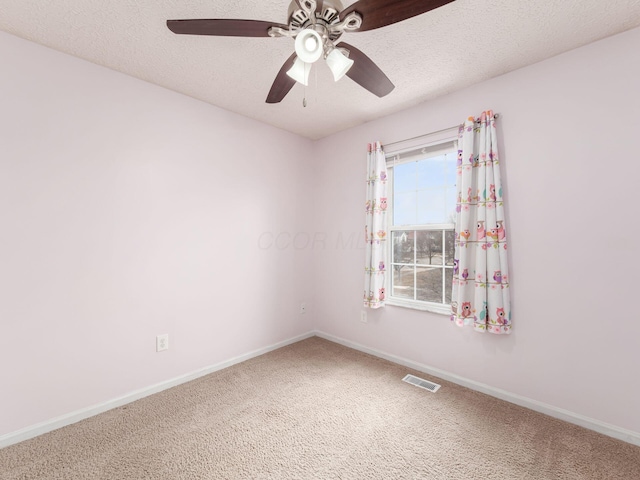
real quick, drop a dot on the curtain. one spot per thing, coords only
(375, 230)
(480, 295)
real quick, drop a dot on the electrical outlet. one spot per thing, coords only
(162, 342)
(363, 316)
(303, 308)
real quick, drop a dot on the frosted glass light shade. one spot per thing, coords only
(309, 46)
(300, 72)
(338, 63)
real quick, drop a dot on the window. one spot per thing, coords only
(422, 204)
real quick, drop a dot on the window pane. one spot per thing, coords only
(450, 169)
(403, 246)
(404, 208)
(449, 246)
(432, 206)
(424, 194)
(448, 278)
(404, 177)
(450, 207)
(429, 247)
(429, 284)
(403, 285)
(430, 172)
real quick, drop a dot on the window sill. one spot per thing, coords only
(423, 306)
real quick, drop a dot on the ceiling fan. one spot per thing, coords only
(316, 26)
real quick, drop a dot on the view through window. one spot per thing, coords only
(423, 208)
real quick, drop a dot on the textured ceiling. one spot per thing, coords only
(457, 45)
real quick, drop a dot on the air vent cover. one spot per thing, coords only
(422, 383)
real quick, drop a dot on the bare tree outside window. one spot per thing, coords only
(422, 262)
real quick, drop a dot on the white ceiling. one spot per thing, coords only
(457, 45)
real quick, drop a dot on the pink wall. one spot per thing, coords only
(569, 129)
(128, 211)
(120, 202)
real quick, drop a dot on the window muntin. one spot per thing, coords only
(422, 202)
(422, 265)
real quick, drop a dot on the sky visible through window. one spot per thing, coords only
(424, 191)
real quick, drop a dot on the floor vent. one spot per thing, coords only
(422, 383)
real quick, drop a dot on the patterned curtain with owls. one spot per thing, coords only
(480, 295)
(375, 230)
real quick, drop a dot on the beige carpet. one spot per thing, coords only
(317, 410)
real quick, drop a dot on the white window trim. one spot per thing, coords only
(433, 147)
(418, 305)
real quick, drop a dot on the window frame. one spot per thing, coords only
(444, 145)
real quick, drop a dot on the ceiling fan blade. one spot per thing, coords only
(223, 27)
(366, 73)
(380, 13)
(283, 82)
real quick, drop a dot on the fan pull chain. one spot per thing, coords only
(315, 97)
(304, 98)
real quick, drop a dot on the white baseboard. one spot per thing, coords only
(73, 417)
(571, 417)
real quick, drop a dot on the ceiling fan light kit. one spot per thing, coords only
(312, 43)
(300, 72)
(316, 26)
(309, 46)
(338, 63)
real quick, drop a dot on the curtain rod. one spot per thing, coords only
(496, 115)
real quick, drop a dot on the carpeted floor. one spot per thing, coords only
(317, 410)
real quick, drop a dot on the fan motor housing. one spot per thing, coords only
(299, 19)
